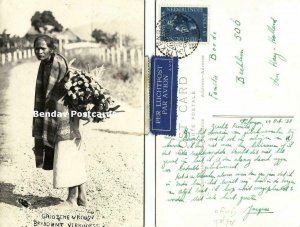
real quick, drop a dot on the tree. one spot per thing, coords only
(4, 41)
(128, 41)
(45, 22)
(104, 37)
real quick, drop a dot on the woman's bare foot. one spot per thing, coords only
(71, 201)
(66, 205)
(72, 195)
(81, 200)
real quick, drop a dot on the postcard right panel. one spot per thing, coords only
(235, 158)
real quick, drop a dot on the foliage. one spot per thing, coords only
(128, 41)
(45, 22)
(104, 37)
(112, 39)
(10, 43)
(124, 82)
(86, 94)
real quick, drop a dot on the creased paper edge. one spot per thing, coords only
(146, 96)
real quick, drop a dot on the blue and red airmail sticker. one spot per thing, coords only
(163, 95)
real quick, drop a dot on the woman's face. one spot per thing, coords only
(42, 51)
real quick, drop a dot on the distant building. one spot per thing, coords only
(70, 36)
(66, 35)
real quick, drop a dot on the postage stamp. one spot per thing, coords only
(180, 30)
(194, 22)
(178, 27)
(163, 101)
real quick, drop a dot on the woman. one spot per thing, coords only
(57, 139)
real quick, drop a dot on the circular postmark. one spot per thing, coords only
(177, 35)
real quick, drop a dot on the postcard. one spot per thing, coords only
(72, 113)
(229, 156)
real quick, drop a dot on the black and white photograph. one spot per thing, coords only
(72, 113)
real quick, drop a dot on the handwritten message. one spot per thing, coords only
(232, 159)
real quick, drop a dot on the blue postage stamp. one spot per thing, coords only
(189, 24)
(163, 95)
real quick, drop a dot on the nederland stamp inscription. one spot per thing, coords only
(180, 30)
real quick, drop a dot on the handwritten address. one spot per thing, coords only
(276, 58)
(239, 58)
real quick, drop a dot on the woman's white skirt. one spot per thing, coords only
(69, 164)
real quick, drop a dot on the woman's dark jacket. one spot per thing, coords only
(49, 97)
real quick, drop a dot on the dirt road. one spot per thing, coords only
(114, 160)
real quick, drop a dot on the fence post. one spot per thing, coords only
(3, 59)
(113, 55)
(101, 54)
(118, 57)
(19, 55)
(15, 56)
(107, 55)
(9, 57)
(104, 54)
(29, 53)
(132, 57)
(60, 44)
(24, 54)
(125, 57)
(140, 57)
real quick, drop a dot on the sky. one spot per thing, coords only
(126, 16)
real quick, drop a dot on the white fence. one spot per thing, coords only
(114, 55)
(16, 55)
